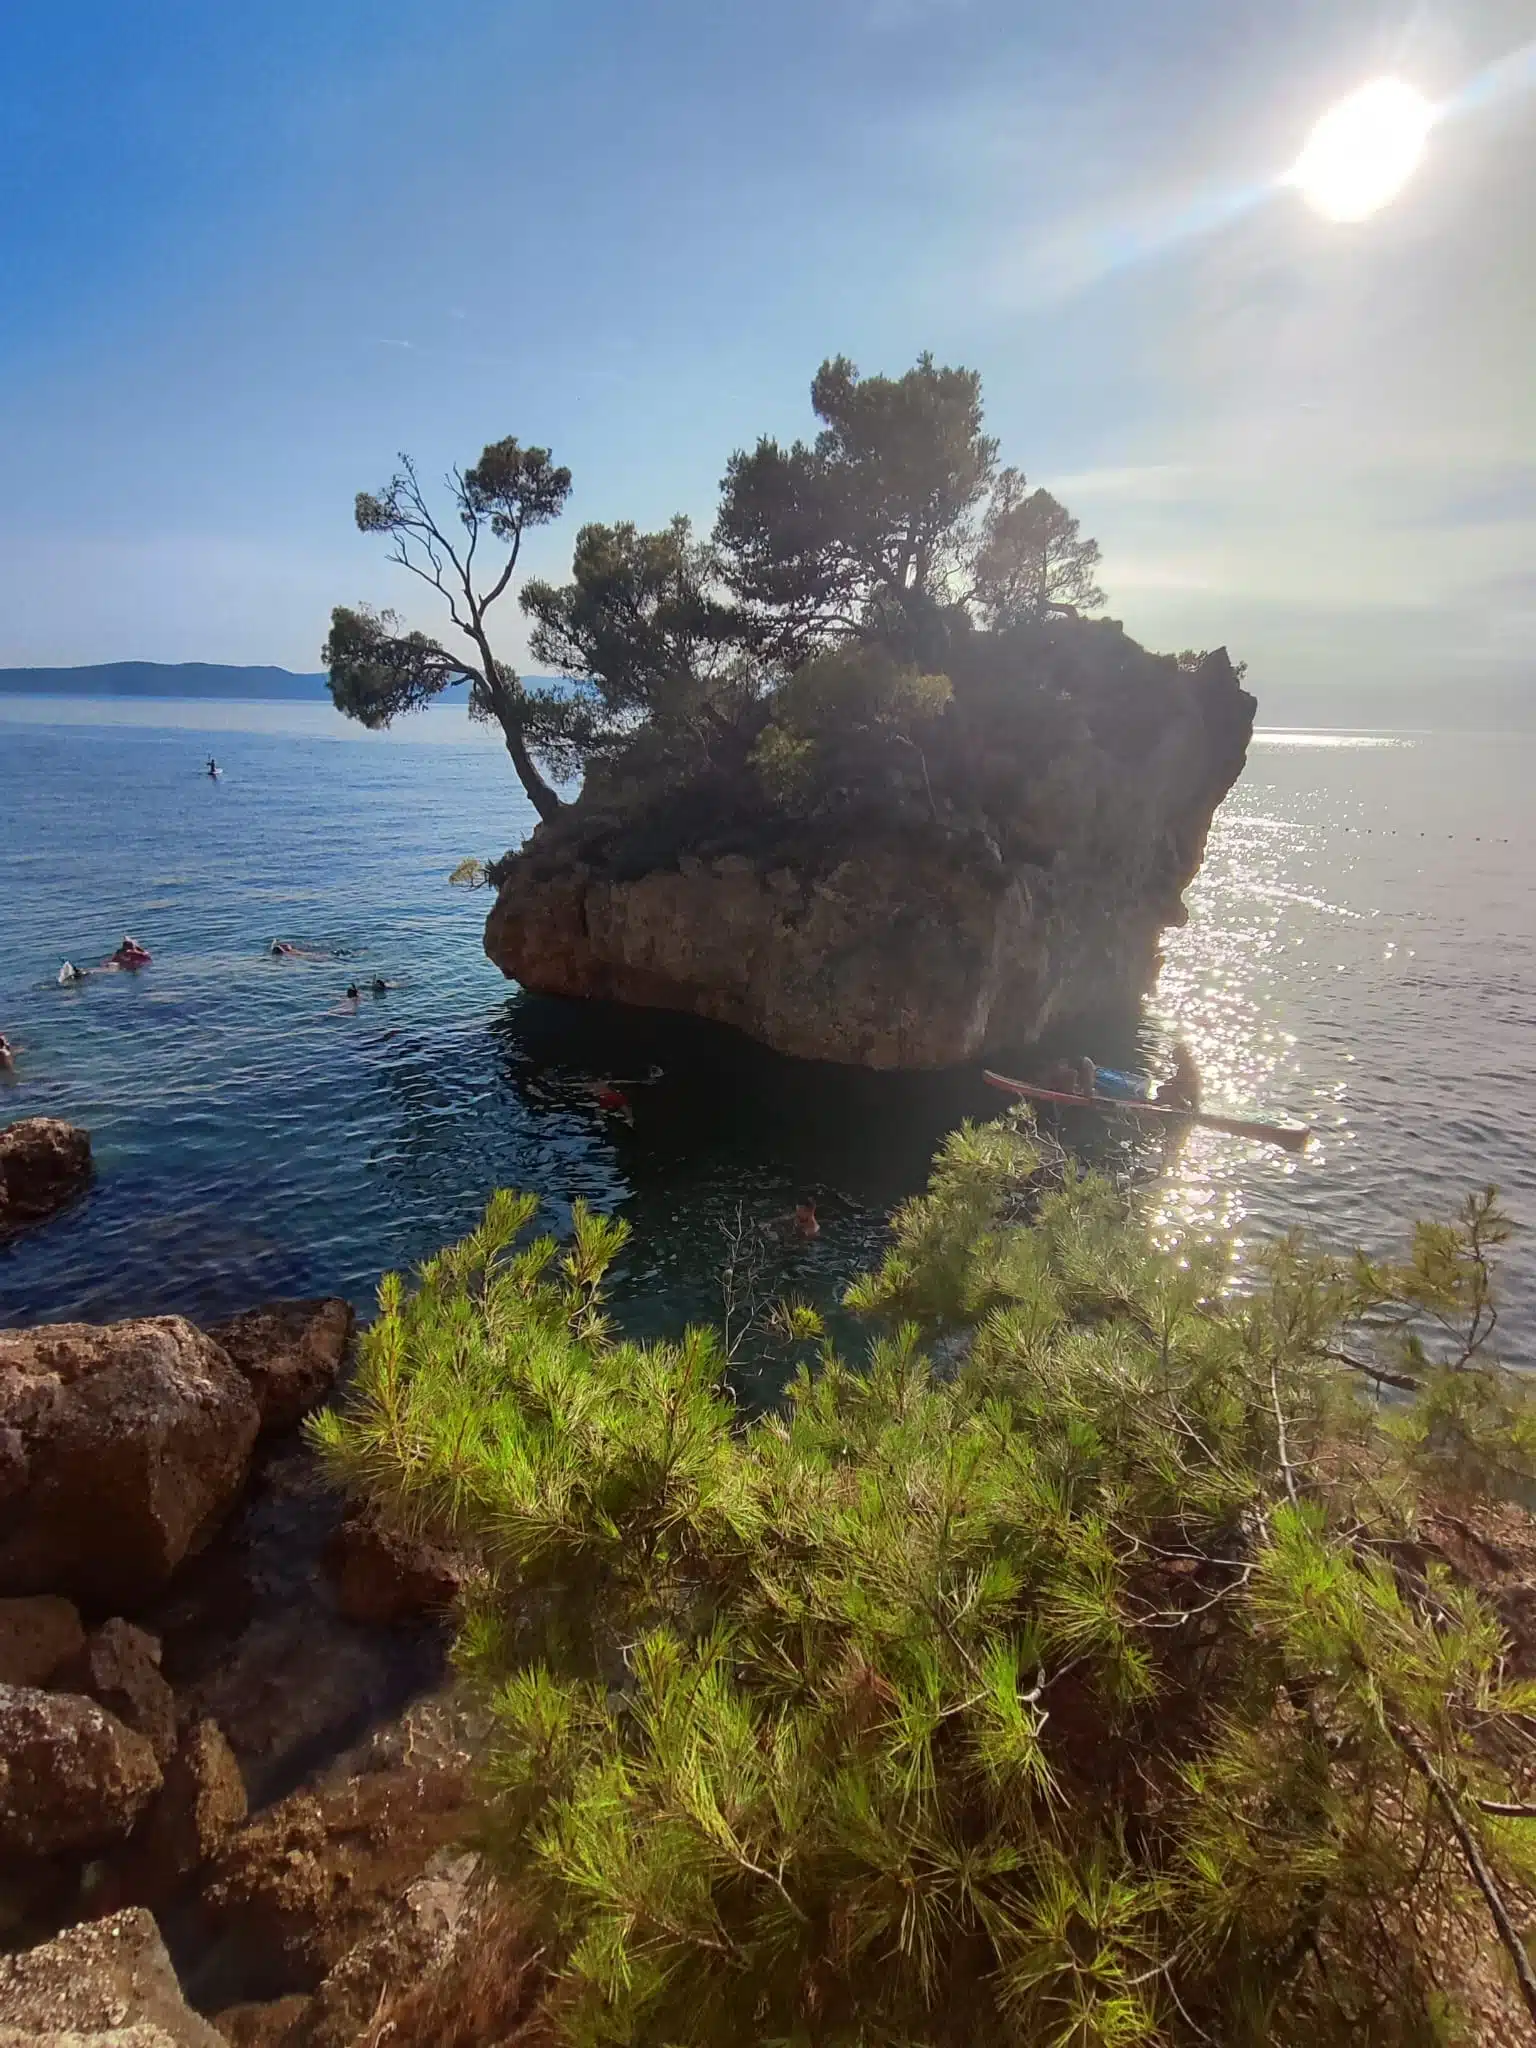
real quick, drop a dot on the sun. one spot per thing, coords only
(1363, 151)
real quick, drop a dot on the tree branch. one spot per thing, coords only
(1471, 1849)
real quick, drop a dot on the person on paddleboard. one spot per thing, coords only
(1181, 1090)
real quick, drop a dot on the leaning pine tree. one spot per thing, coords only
(1093, 1691)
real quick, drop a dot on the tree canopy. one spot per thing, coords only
(892, 531)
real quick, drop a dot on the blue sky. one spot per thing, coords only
(248, 253)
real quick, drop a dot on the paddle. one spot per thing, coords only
(1291, 1137)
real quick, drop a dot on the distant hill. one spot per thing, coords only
(162, 679)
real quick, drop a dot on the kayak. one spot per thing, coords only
(1292, 1137)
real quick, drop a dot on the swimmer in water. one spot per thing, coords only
(130, 953)
(382, 987)
(69, 972)
(8, 1054)
(804, 1223)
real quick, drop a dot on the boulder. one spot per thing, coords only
(119, 1667)
(108, 1980)
(37, 1635)
(383, 1576)
(44, 1163)
(128, 1444)
(201, 1804)
(290, 1353)
(73, 1779)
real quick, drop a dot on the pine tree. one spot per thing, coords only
(1090, 1691)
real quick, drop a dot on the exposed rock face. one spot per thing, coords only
(289, 1352)
(126, 1444)
(109, 1981)
(44, 1163)
(37, 1635)
(73, 1779)
(901, 937)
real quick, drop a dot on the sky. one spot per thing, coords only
(248, 253)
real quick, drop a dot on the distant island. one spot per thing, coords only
(163, 679)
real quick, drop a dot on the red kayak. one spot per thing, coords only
(1292, 1137)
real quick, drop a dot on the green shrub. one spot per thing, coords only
(1083, 1692)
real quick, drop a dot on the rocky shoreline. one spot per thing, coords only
(234, 1771)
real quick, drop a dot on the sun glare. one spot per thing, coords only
(1363, 151)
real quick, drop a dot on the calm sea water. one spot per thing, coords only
(1361, 952)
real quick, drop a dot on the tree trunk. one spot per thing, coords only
(540, 795)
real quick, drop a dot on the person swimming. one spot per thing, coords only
(130, 953)
(352, 992)
(380, 986)
(804, 1222)
(69, 972)
(7, 1055)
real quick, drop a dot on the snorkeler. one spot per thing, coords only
(69, 972)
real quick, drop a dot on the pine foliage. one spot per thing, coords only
(1083, 1692)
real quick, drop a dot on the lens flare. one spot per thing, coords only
(1363, 151)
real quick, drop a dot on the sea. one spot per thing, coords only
(1360, 954)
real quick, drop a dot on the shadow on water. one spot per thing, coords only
(729, 1130)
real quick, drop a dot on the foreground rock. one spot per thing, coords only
(299, 1886)
(199, 1807)
(122, 1447)
(289, 1352)
(73, 1779)
(109, 1980)
(910, 927)
(44, 1163)
(119, 1668)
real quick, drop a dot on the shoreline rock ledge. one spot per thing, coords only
(1013, 875)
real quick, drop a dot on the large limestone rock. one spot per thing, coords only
(44, 1163)
(290, 1352)
(916, 929)
(122, 1446)
(108, 1981)
(73, 1779)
